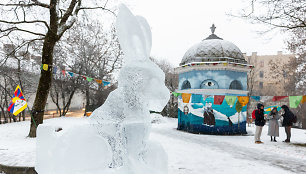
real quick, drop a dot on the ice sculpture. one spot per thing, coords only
(118, 131)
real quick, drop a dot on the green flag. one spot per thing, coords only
(89, 79)
(176, 94)
(230, 100)
(294, 101)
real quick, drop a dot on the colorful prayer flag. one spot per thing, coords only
(176, 94)
(98, 81)
(278, 98)
(304, 99)
(89, 79)
(294, 101)
(70, 73)
(105, 83)
(218, 99)
(196, 98)
(186, 97)
(54, 70)
(64, 72)
(18, 103)
(45, 67)
(230, 100)
(257, 98)
(243, 100)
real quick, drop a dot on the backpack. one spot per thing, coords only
(253, 114)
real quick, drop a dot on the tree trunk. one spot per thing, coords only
(44, 84)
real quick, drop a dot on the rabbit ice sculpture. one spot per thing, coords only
(115, 139)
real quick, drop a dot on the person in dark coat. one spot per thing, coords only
(259, 122)
(287, 122)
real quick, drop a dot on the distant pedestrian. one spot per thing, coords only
(273, 118)
(259, 122)
(287, 122)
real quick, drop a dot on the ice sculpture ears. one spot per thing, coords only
(134, 35)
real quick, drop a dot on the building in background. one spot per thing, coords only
(263, 79)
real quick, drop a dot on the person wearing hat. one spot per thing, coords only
(273, 118)
(287, 122)
(259, 122)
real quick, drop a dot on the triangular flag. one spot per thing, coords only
(84, 77)
(98, 81)
(230, 100)
(45, 67)
(105, 83)
(257, 98)
(64, 72)
(18, 103)
(186, 97)
(243, 100)
(294, 101)
(54, 70)
(278, 98)
(89, 79)
(304, 99)
(71, 73)
(176, 94)
(218, 99)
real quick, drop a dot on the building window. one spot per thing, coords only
(186, 85)
(235, 84)
(209, 84)
(262, 63)
(260, 85)
(261, 74)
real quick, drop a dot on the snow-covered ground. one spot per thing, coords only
(187, 153)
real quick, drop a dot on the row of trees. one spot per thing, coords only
(46, 22)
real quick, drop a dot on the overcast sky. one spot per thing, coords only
(178, 24)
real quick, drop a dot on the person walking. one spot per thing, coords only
(287, 122)
(259, 122)
(273, 118)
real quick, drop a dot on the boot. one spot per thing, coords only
(274, 139)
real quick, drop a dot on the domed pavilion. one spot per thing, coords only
(210, 73)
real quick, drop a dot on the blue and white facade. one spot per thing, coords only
(209, 68)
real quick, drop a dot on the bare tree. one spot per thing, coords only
(42, 21)
(171, 81)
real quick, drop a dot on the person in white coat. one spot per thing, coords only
(273, 118)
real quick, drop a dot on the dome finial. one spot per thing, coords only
(213, 28)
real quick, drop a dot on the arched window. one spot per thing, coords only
(186, 85)
(235, 84)
(209, 84)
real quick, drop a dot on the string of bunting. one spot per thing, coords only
(47, 67)
(294, 101)
(217, 63)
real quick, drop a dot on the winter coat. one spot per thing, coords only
(259, 116)
(288, 116)
(273, 124)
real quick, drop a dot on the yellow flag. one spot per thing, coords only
(243, 100)
(45, 67)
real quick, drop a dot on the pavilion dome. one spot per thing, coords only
(211, 48)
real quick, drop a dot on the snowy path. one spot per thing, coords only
(192, 154)
(187, 153)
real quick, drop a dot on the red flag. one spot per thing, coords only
(218, 99)
(278, 98)
(64, 72)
